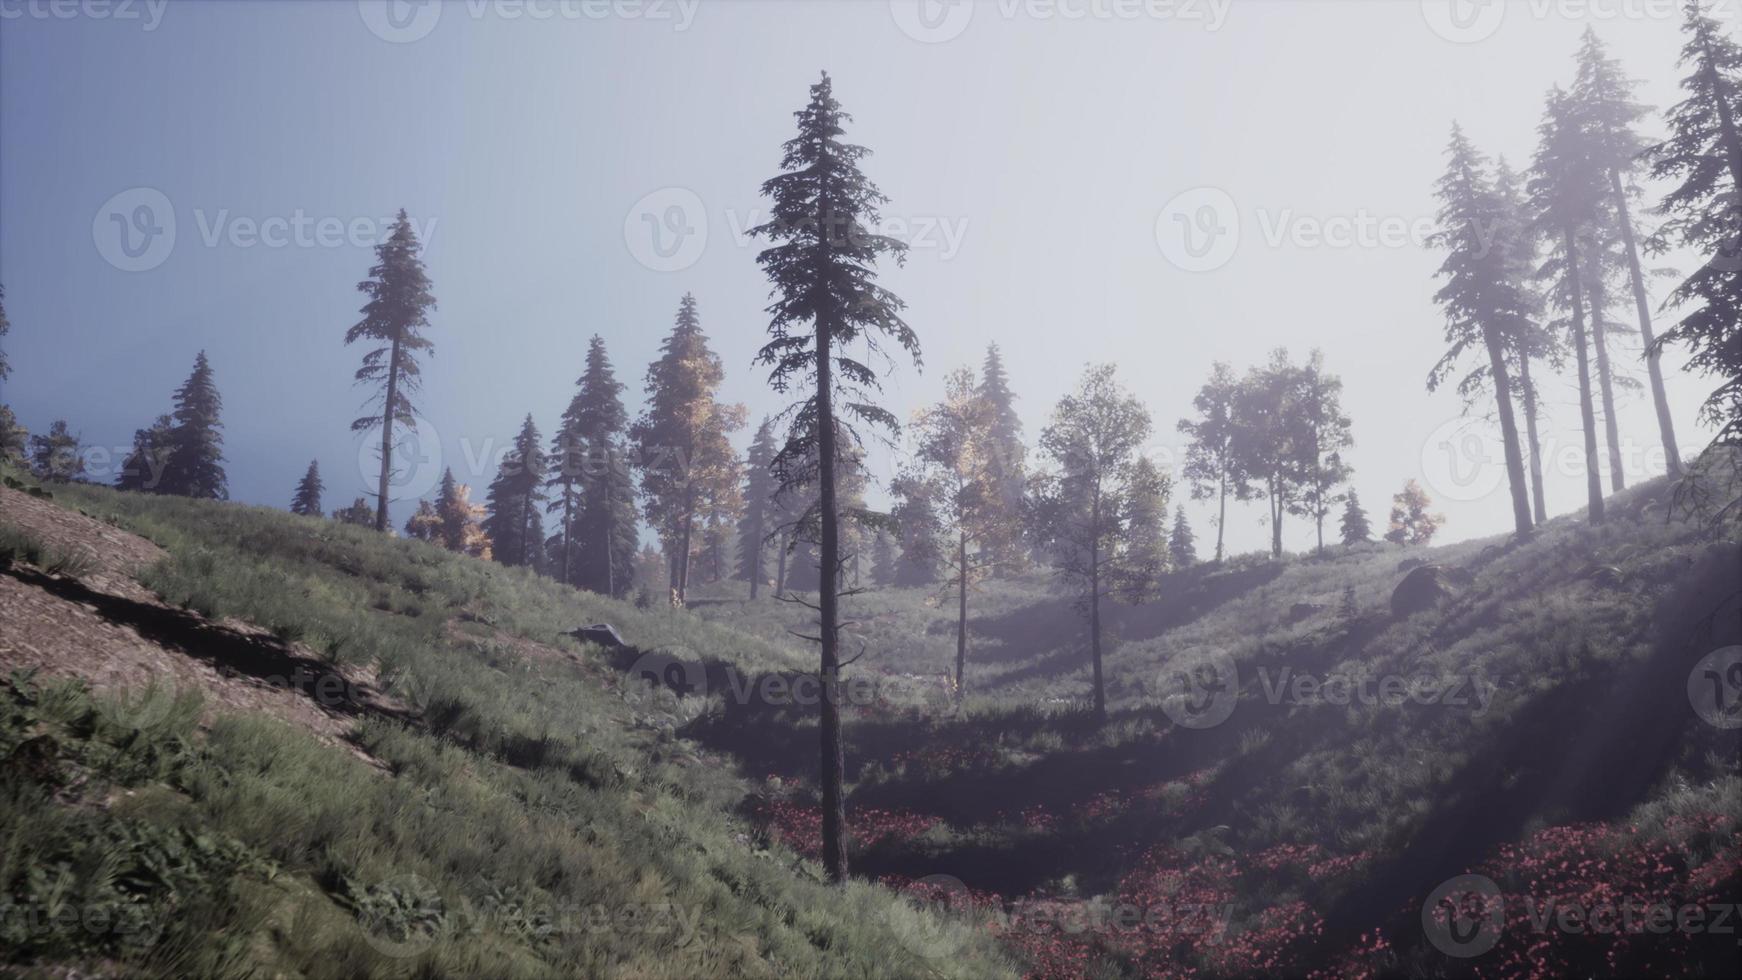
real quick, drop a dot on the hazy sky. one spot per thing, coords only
(1040, 155)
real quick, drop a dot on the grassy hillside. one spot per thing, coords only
(506, 801)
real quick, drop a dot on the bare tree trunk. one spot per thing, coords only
(689, 523)
(1508, 432)
(833, 758)
(780, 567)
(568, 525)
(1593, 479)
(1222, 515)
(1095, 605)
(387, 437)
(961, 610)
(1653, 358)
(1539, 506)
(610, 529)
(1606, 386)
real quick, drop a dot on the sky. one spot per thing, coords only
(1160, 184)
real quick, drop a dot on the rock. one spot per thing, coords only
(1422, 589)
(1305, 610)
(604, 634)
(1411, 564)
(1606, 577)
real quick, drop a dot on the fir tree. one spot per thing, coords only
(1211, 467)
(307, 500)
(883, 568)
(1008, 461)
(758, 520)
(195, 464)
(827, 301)
(596, 498)
(1532, 341)
(515, 528)
(394, 318)
(1357, 529)
(1182, 543)
(1094, 434)
(1143, 559)
(1485, 308)
(687, 463)
(917, 522)
(1703, 157)
(58, 456)
(142, 471)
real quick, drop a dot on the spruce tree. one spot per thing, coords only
(1143, 559)
(394, 318)
(1485, 309)
(1604, 96)
(826, 303)
(687, 462)
(918, 525)
(1182, 543)
(1356, 528)
(1566, 190)
(1211, 467)
(307, 499)
(596, 498)
(1532, 340)
(883, 560)
(143, 469)
(759, 519)
(195, 464)
(515, 527)
(1008, 461)
(1703, 157)
(58, 456)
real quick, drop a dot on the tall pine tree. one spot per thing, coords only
(1516, 237)
(596, 494)
(1008, 461)
(826, 301)
(142, 471)
(194, 467)
(1182, 543)
(515, 528)
(394, 318)
(759, 519)
(307, 499)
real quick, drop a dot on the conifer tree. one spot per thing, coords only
(1143, 559)
(1356, 528)
(1008, 461)
(827, 301)
(1516, 237)
(307, 500)
(1211, 467)
(758, 522)
(1566, 190)
(1703, 157)
(515, 527)
(1182, 543)
(1604, 96)
(1485, 309)
(1094, 433)
(196, 446)
(687, 463)
(596, 495)
(394, 318)
(58, 456)
(918, 525)
(883, 560)
(143, 469)
(1411, 523)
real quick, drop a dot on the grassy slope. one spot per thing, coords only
(531, 797)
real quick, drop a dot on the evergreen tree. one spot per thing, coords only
(1411, 523)
(307, 500)
(1182, 543)
(917, 522)
(1094, 434)
(1604, 96)
(57, 457)
(687, 463)
(1703, 157)
(883, 568)
(194, 467)
(394, 317)
(1008, 461)
(826, 301)
(1211, 467)
(1567, 189)
(596, 498)
(143, 469)
(1532, 341)
(1324, 435)
(1144, 558)
(1357, 529)
(1485, 308)
(759, 520)
(515, 528)
(359, 513)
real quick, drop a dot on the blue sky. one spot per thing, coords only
(1030, 156)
